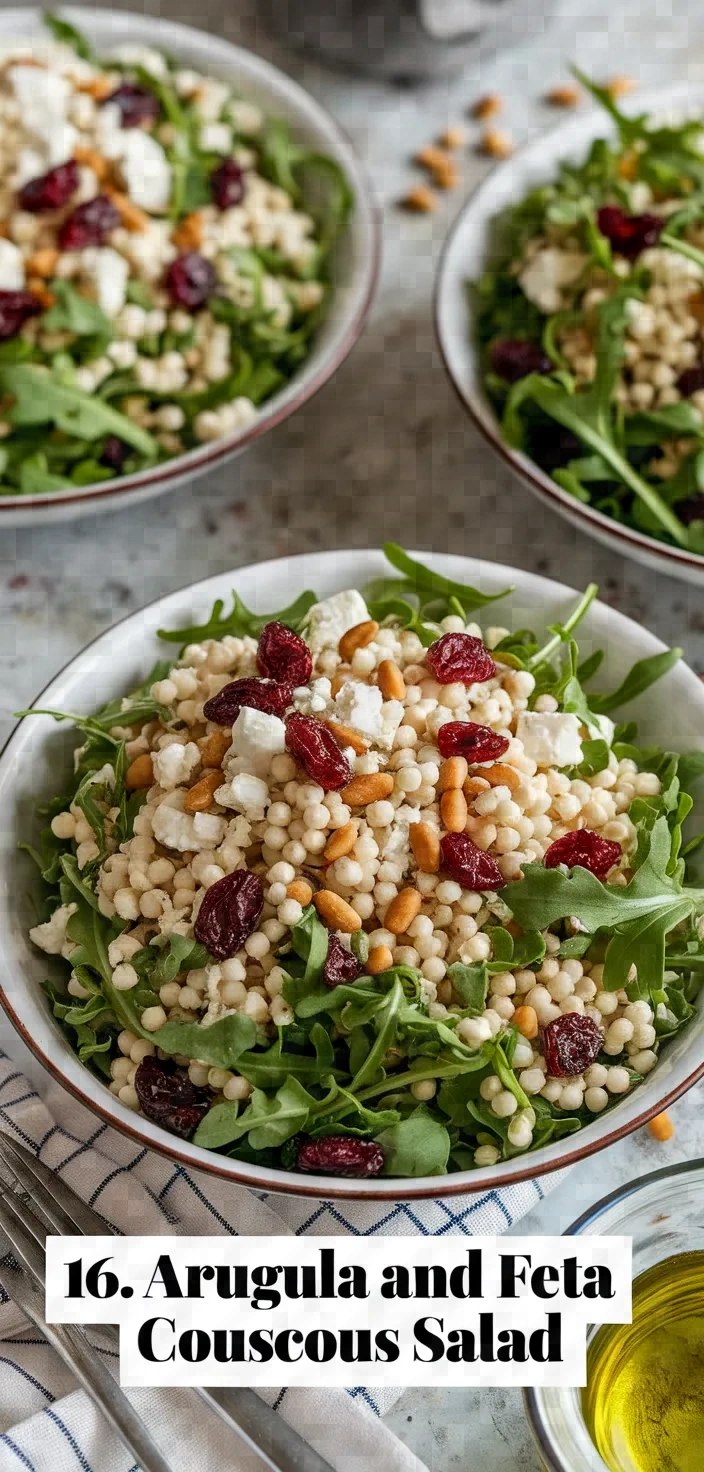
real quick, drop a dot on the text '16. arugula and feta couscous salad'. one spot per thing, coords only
(160, 272)
(358, 887)
(590, 322)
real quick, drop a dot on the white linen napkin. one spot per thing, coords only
(45, 1423)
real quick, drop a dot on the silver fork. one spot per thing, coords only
(49, 1205)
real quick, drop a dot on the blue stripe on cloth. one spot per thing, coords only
(183, 1175)
(360, 1392)
(25, 1373)
(8, 1442)
(80, 1458)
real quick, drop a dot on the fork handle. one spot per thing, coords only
(278, 1445)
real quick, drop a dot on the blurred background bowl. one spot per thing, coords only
(355, 259)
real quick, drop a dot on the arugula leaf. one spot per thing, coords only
(72, 312)
(424, 580)
(590, 413)
(40, 398)
(638, 916)
(270, 1068)
(644, 673)
(417, 1146)
(471, 983)
(68, 34)
(268, 1122)
(240, 620)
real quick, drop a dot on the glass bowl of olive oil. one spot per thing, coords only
(642, 1409)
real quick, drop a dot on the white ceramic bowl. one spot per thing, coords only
(355, 262)
(468, 253)
(38, 754)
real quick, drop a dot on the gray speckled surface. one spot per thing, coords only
(384, 450)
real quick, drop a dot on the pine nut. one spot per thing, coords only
(453, 810)
(188, 234)
(501, 775)
(621, 86)
(453, 137)
(496, 143)
(91, 159)
(661, 1127)
(336, 913)
(340, 678)
(391, 681)
(526, 1020)
(453, 773)
(213, 749)
(421, 200)
(487, 107)
(358, 637)
(371, 787)
(200, 796)
(379, 959)
(140, 773)
(300, 890)
(132, 217)
(341, 842)
(97, 87)
(42, 262)
(37, 285)
(347, 736)
(564, 96)
(402, 911)
(426, 847)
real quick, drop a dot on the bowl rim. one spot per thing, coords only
(461, 1183)
(199, 461)
(473, 399)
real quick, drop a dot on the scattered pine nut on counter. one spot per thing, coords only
(353, 872)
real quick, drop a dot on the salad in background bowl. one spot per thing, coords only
(373, 888)
(579, 350)
(187, 253)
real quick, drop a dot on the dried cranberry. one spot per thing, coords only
(227, 184)
(89, 224)
(229, 913)
(138, 106)
(692, 509)
(691, 381)
(512, 358)
(266, 695)
(284, 655)
(317, 750)
(167, 1096)
(570, 1044)
(460, 657)
(115, 452)
(341, 1155)
(15, 308)
(476, 743)
(628, 234)
(50, 191)
(586, 849)
(468, 865)
(190, 280)
(341, 966)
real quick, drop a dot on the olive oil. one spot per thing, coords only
(644, 1400)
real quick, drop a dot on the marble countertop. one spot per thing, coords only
(384, 451)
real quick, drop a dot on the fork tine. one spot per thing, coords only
(55, 1215)
(62, 1205)
(15, 1224)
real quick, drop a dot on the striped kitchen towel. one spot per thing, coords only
(46, 1423)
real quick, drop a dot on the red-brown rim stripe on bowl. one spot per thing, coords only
(522, 465)
(319, 1187)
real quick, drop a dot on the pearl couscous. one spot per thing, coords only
(160, 273)
(347, 890)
